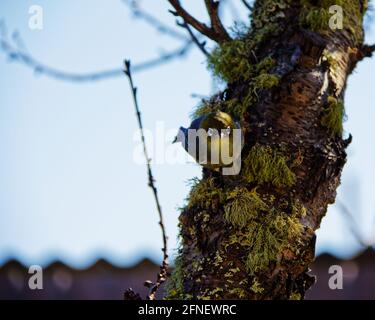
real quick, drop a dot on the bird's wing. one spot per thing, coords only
(195, 124)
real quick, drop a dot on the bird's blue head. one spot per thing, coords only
(182, 135)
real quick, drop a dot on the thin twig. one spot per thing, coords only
(200, 45)
(352, 223)
(162, 275)
(163, 28)
(154, 22)
(199, 96)
(16, 54)
(247, 5)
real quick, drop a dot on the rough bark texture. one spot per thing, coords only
(251, 236)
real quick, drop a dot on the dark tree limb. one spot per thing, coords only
(216, 24)
(162, 275)
(368, 50)
(199, 26)
(211, 32)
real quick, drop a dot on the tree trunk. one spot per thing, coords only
(252, 235)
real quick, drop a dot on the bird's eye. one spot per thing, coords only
(226, 132)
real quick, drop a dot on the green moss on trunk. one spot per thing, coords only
(333, 116)
(265, 165)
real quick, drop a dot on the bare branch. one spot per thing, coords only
(162, 28)
(154, 22)
(199, 96)
(357, 55)
(16, 54)
(213, 11)
(247, 5)
(201, 27)
(368, 50)
(210, 32)
(162, 275)
(352, 223)
(200, 45)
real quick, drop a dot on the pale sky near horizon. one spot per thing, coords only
(69, 186)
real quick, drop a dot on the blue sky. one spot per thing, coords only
(69, 187)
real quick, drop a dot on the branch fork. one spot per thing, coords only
(215, 32)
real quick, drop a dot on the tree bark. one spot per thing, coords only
(252, 236)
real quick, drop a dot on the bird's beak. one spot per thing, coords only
(175, 139)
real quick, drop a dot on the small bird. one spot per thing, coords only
(214, 140)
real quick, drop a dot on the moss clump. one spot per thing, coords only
(295, 296)
(298, 209)
(315, 15)
(327, 3)
(333, 116)
(266, 18)
(265, 65)
(218, 259)
(206, 107)
(205, 194)
(256, 287)
(265, 234)
(174, 287)
(238, 293)
(242, 206)
(257, 76)
(232, 107)
(269, 238)
(210, 294)
(237, 239)
(266, 81)
(268, 11)
(316, 19)
(197, 265)
(265, 165)
(330, 59)
(230, 61)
